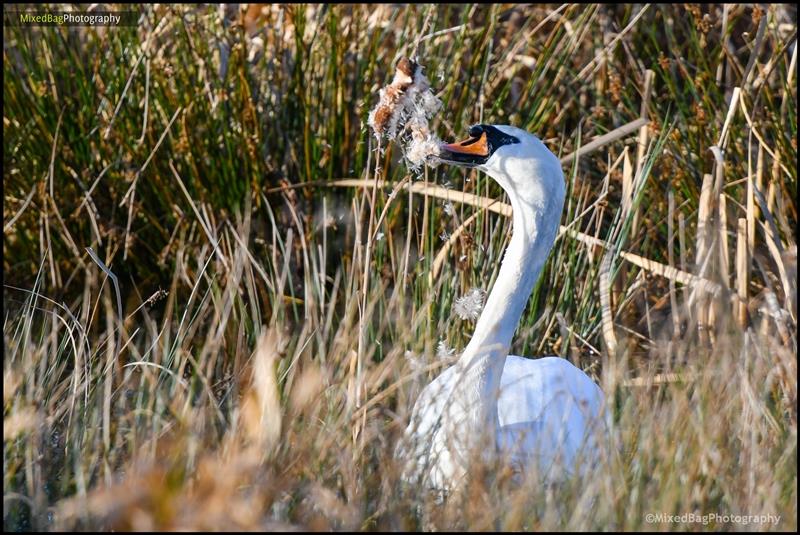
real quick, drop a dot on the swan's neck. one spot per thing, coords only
(522, 264)
(536, 219)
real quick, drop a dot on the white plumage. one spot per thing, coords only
(538, 414)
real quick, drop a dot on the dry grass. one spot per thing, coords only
(275, 307)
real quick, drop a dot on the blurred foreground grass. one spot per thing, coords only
(204, 155)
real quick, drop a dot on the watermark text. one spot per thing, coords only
(70, 18)
(712, 518)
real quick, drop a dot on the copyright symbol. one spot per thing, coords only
(649, 518)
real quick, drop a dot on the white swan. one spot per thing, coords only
(536, 413)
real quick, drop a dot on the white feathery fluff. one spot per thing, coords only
(403, 113)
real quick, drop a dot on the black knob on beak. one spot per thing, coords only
(476, 131)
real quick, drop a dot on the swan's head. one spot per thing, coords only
(516, 159)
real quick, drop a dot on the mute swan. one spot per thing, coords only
(533, 412)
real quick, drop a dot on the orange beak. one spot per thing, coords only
(476, 146)
(473, 151)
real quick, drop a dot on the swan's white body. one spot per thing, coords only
(535, 414)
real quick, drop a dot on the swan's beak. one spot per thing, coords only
(471, 152)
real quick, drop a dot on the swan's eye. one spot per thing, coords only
(475, 131)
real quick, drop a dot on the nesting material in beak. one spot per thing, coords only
(403, 111)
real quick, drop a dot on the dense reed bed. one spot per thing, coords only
(222, 293)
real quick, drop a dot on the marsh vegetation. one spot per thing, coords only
(222, 294)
